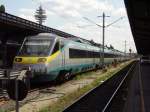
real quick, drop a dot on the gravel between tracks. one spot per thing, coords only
(46, 97)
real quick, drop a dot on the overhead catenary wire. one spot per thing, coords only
(103, 30)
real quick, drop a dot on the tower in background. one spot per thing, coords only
(40, 15)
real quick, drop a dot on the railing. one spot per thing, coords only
(9, 74)
(2, 73)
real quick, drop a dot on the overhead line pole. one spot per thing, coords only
(103, 34)
(103, 31)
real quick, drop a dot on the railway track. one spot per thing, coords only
(109, 96)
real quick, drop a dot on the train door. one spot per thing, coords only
(63, 54)
(57, 63)
(93, 56)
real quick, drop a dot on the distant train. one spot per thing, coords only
(51, 57)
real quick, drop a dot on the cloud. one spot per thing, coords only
(119, 12)
(62, 8)
(69, 8)
(27, 14)
(84, 32)
(72, 8)
(73, 11)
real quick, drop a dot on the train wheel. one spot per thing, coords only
(67, 75)
(63, 76)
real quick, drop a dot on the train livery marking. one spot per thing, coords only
(35, 60)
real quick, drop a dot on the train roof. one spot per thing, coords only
(81, 40)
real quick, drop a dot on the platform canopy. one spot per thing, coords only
(139, 17)
(16, 28)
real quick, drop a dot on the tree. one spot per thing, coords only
(130, 50)
(2, 8)
(92, 40)
(111, 47)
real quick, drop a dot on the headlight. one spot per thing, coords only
(18, 59)
(42, 60)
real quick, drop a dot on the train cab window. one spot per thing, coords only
(56, 47)
(36, 46)
(62, 44)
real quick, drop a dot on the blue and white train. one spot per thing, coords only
(51, 57)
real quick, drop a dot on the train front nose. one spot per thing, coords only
(36, 64)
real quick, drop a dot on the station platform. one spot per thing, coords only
(138, 99)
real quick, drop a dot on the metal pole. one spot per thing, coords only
(103, 33)
(125, 49)
(103, 40)
(16, 95)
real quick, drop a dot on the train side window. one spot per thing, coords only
(56, 47)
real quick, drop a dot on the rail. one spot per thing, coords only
(117, 89)
(100, 98)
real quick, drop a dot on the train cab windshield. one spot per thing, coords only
(36, 46)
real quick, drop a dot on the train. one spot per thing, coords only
(54, 58)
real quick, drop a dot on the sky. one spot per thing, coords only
(68, 16)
